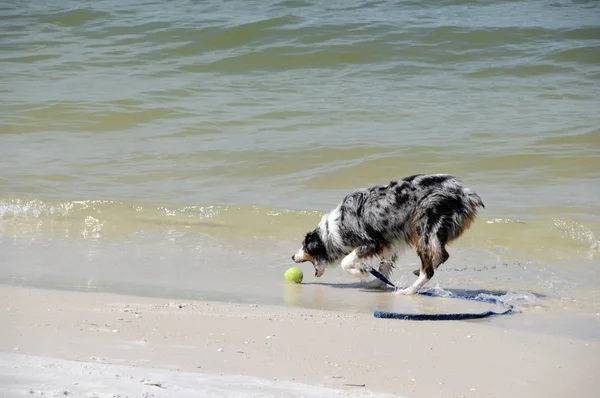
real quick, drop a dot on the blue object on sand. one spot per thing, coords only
(439, 317)
(442, 317)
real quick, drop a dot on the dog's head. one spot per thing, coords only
(313, 250)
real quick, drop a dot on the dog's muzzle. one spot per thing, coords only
(301, 256)
(319, 271)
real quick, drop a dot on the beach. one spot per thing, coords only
(160, 163)
(55, 341)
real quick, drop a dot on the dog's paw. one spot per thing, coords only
(409, 291)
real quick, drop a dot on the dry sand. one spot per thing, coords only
(104, 345)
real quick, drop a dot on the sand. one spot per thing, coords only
(60, 343)
(60, 378)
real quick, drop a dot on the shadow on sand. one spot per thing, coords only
(432, 292)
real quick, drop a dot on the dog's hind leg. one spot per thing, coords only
(425, 274)
(430, 261)
(445, 257)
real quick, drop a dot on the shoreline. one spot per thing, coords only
(326, 349)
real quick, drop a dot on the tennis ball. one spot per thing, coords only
(294, 274)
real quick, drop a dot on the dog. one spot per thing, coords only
(373, 226)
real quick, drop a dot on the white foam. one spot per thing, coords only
(24, 375)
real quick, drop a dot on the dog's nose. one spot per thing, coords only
(293, 257)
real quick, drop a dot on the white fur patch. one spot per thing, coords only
(329, 229)
(348, 262)
(300, 256)
(334, 227)
(352, 264)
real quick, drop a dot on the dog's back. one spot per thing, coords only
(432, 183)
(415, 206)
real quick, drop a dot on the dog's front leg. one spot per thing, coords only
(353, 265)
(386, 267)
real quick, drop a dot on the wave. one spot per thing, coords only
(291, 35)
(75, 17)
(548, 237)
(95, 218)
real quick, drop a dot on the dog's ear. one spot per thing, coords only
(309, 238)
(315, 246)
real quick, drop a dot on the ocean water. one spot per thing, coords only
(184, 147)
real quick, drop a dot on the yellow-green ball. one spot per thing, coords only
(294, 274)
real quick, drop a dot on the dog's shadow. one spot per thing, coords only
(356, 285)
(456, 292)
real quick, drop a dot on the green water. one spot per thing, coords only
(157, 139)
